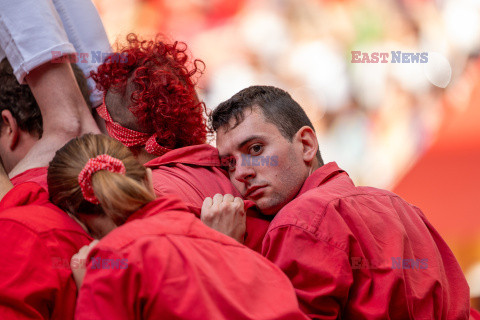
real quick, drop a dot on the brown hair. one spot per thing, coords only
(277, 106)
(119, 195)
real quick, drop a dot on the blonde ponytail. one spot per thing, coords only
(119, 195)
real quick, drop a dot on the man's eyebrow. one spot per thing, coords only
(247, 140)
(242, 144)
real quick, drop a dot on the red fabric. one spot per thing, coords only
(101, 162)
(38, 175)
(129, 137)
(37, 241)
(194, 173)
(346, 251)
(168, 265)
(474, 314)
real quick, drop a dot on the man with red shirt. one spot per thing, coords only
(350, 252)
(38, 240)
(152, 108)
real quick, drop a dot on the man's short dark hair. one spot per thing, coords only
(19, 99)
(277, 107)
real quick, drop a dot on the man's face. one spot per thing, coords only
(269, 169)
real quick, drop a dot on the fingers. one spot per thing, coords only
(84, 251)
(239, 204)
(93, 243)
(206, 206)
(218, 204)
(238, 200)
(218, 198)
(226, 214)
(206, 213)
(78, 260)
(228, 198)
(226, 204)
(207, 203)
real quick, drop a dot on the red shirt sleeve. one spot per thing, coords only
(474, 314)
(111, 288)
(320, 273)
(27, 282)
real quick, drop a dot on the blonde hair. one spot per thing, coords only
(119, 195)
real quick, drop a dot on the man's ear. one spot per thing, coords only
(10, 128)
(307, 137)
(149, 181)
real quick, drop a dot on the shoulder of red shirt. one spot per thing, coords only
(38, 175)
(333, 218)
(38, 240)
(166, 215)
(28, 204)
(200, 155)
(326, 185)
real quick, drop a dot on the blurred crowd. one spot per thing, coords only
(374, 119)
(385, 83)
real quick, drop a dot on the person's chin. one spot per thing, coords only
(265, 207)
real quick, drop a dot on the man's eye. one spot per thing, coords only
(256, 149)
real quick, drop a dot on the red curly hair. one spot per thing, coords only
(164, 100)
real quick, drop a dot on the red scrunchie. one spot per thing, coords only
(101, 162)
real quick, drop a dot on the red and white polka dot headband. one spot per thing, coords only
(129, 137)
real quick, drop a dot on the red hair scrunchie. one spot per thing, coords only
(101, 162)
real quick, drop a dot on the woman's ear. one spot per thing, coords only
(149, 181)
(308, 140)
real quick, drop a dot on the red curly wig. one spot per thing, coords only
(164, 99)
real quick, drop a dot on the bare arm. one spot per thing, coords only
(65, 114)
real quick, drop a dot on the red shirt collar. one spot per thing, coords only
(321, 176)
(163, 203)
(30, 174)
(201, 155)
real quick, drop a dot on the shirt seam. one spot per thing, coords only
(310, 233)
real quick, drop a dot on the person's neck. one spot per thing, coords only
(314, 166)
(5, 183)
(24, 158)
